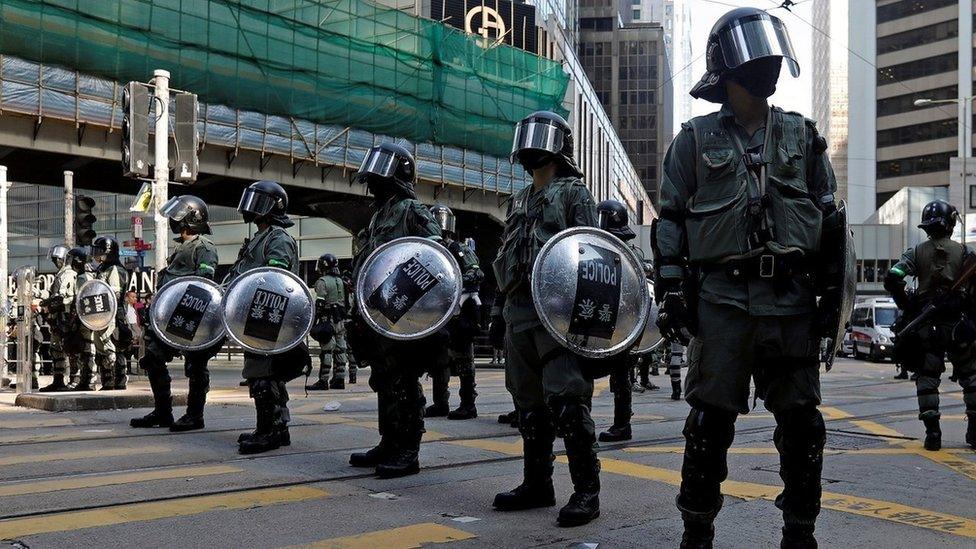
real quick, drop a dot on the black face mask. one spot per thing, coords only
(533, 160)
(174, 226)
(759, 77)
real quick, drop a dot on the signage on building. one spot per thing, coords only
(495, 21)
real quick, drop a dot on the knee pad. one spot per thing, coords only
(569, 416)
(262, 389)
(707, 428)
(536, 424)
(804, 424)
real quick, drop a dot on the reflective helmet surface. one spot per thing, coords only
(328, 263)
(388, 167)
(939, 218)
(105, 250)
(545, 133)
(738, 37)
(613, 219)
(57, 255)
(77, 258)
(444, 217)
(187, 212)
(265, 199)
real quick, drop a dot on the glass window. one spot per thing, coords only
(906, 103)
(906, 8)
(916, 37)
(918, 69)
(918, 132)
(914, 165)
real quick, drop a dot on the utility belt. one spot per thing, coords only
(768, 266)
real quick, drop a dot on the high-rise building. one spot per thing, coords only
(830, 63)
(916, 55)
(628, 67)
(675, 17)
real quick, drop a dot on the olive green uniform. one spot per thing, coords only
(105, 340)
(551, 389)
(196, 256)
(267, 375)
(935, 264)
(396, 366)
(460, 349)
(63, 291)
(332, 290)
(755, 316)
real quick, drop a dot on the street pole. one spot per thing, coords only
(964, 55)
(69, 209)
(4, 290)
(161, 169)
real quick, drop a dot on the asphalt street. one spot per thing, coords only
(85, 479)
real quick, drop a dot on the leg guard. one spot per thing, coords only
(106, 370)
(573, 424)
(927, 390)
(536, 489)
(800, 437)
(199, 385)
(708, 434)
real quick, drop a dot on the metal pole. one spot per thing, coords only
(25, 329)
(161, 170)
(4, 290)
(69, 208)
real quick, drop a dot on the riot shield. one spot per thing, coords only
(96, 304)
(268, 311)
(186, 313)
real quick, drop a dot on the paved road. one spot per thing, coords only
(86, 479)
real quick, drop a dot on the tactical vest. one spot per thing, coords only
(526, 232)
(718, 221)
(938, 262)
(383, 227)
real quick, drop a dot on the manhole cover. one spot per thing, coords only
(837, 441)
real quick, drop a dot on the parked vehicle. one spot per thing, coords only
(871, 329)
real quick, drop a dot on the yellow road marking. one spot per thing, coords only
(37, 422)
(866, 507)
(431, 436)
(635, 417)
(877, 429)
(82, 454)
(894, 451)
(508, 448)
(94, 481)
(957, 463)
(832, 413)
(405, 537)
(122, 514)
(600, 386)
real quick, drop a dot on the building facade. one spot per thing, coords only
(628, 68)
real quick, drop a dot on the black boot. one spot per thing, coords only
(55, 386)
(152, 419)
(352, 375)
(159, 382)
(408, 429)
(467, 409)
(536, 489)
(270, 420)
(699, 528)
(196, 399)
(675, 390)
(622, 412)
(902, 373)
(509, 418)
(584, 469)
(320, 385)
(708, 434)
(437, 410)
(800, 436)
(616, 433)
(372, 457)
(337, 383)
(933, 434)
(403, 461)
(971, 432)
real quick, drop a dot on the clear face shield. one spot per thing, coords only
(175, 208)
(57, 255)
(537, 135)
(255, 203)
(445, 219)
(379, 163)
(753, 39)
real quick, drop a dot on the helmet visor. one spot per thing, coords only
(537, 135)
(175, 208)
(58, 253)
(378, 162)
(445, 219)
(255, 202)
(753, 39)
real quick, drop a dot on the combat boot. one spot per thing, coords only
(536, 489)
(187, 423)
(196, 399)
(463, 412)
(584, 469)
(372, 457)
(622, 411)
(402, 462)
(510, 418)
(437, 410)
(467, 409)
(699, 528)
(55, 386)
(933, 434)
(971, 432)
(319, 385)
(152, 419)
(675, 390)
(337, 383)
(264, 438)
(616, 434)
(798, 536)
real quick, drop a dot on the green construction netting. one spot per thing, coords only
(344, 62)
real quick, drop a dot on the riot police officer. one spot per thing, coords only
(330, 304)
(388, 171)
(551, 389)
(195, 255)
(613, 219)
(55, 309)
(77, 339)
(935, 264)
(462, 328)
(105, 253)
(746, 197)
(265, 203)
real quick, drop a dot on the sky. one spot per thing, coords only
(792, 94)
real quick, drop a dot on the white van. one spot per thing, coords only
(871, 328)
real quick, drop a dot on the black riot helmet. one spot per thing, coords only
(265, 199)
(938, 218)
(328, 264)
(187, 212)
(57, 255)
(738, 39)
(613, 219)
(542, 137)
(388, 170)
(105, 250)
(77, 258)
(445, 218)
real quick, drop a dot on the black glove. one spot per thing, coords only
(895, 285)
(675, 319)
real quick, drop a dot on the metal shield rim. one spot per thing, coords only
(360, 281)
(182, 346)
(248, 348)
(638, 350)
(115, 302)
(636, 263)
(848, 291)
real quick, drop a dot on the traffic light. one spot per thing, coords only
(84, 220)
(135, 130)
(186, 164)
